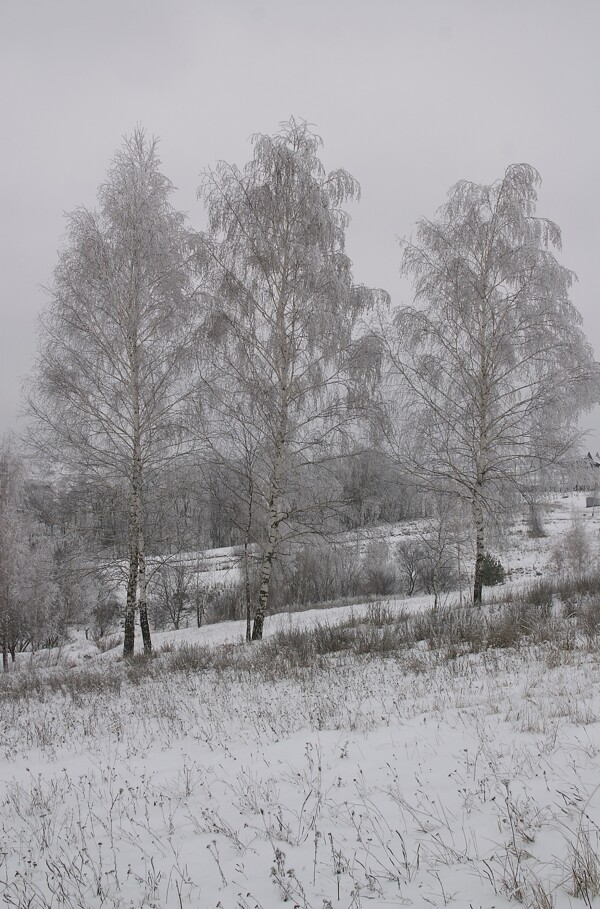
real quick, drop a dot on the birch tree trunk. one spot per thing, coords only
(132, 580)
(248, 592)
(5, 627)
(274, 516)
(485, 343)
(142, 582)
(137, 568)
(479, 522)
(266, 570)
(247, 531)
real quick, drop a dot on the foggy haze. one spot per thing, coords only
(408, 96)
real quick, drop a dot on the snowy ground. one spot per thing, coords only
(362, 782)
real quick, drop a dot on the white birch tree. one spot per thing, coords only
(111, 377)
(491, 364)
(283, 324)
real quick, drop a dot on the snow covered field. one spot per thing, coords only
(414, 779)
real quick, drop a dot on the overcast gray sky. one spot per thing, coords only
(409, 96)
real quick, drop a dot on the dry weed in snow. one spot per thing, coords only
(362, 783)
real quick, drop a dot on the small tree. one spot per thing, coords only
(491, 364)
(283, 327)
(492, 571)
(575, 550)
(12, 544)
(379, 571)
(535, 519)
(105, 614)
(27, 591)
(171, 591)
(440, 537)
(409, 556)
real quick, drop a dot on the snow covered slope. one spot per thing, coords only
(419, 779)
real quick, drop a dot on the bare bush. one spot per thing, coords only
(573, 553)
(535, 521)
(319, 573)
(105, 615)
(409, 555)
(379, 574)
(170, 594)
(224, 603)
(108, 642)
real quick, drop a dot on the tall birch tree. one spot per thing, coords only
(111, 377)
(284, 324)
(492, 363)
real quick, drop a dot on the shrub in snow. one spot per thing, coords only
(573, 554)
(492, 572)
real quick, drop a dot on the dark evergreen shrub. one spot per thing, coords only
(492, 571)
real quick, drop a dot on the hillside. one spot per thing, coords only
(358, 757)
